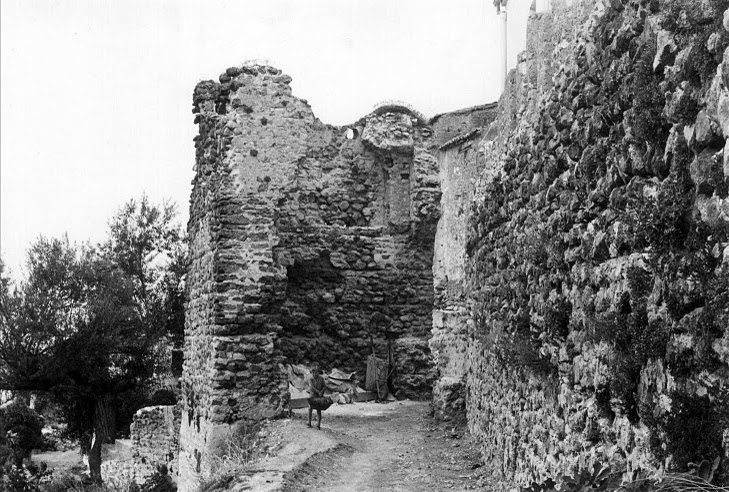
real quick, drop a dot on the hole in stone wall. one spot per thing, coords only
(351, 133)
(320, 268)
(313, 286)
(316, 325)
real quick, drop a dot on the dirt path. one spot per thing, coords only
(386, 447)
(362, 447)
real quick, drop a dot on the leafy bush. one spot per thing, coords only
(16, 413)
(24, 479)
(20, 430)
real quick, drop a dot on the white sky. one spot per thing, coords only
(96, 95)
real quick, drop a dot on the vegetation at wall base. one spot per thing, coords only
(603, 478)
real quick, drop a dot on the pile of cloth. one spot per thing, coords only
(341, 386)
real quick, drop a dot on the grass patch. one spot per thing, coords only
(242, 446)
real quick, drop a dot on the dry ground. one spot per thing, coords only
(361, 447)
(386, 447)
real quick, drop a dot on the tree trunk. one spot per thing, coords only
(106, 416)
(103, 429)
(109, 418)
(95, 458)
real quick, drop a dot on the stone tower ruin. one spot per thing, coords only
(308, 241)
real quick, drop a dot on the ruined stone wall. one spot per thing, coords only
(306, 245)
(231, 361)
(597, 246)
(356, 238)
(457, 134)
(155, 434)
(450, 126)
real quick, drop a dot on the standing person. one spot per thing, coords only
(317, 400)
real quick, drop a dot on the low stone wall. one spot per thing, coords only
(120, 473)
(154, 436)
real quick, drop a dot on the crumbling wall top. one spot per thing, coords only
(390, 131)
(391, 106)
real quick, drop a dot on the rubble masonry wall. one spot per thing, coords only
(306, 246)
